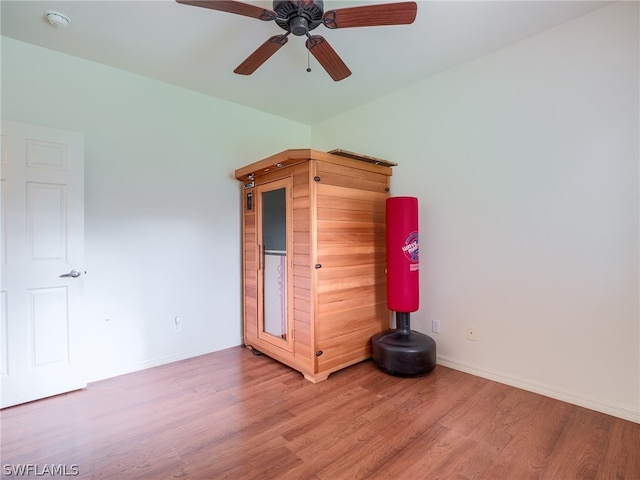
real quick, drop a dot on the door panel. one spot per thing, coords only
(47, 223)
(42, 238)
(275, 321)
(49, 326)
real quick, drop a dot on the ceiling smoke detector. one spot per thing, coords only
(57, 19)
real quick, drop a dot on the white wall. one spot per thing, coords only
(525, 164)
(162, 207)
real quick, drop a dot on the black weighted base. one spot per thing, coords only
(403, 352)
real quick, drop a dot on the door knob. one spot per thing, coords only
(73, 274)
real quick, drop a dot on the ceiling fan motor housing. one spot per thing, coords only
(298, 16)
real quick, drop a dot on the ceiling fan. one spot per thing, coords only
(301, 16)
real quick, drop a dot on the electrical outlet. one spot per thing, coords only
(435, 326)
(471, 334)
(177, 322)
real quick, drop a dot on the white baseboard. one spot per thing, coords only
(603, 407)
(157, 361)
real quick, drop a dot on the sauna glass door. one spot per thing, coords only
(274, 243)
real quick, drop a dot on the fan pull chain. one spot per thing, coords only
(308, 64)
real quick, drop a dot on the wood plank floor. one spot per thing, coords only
(232, 414)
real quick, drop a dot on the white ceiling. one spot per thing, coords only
(198, 48)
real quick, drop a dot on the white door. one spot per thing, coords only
(42, 238)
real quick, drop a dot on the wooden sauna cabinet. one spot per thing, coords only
(314, 291)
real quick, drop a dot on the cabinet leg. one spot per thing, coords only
(253, 350)
(318, 377)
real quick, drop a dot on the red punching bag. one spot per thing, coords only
(402, 254)
(401, 351)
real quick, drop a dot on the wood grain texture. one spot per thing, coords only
(338, 259)
(232, 414)
(292, 157)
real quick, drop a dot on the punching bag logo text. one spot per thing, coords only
(411, 250)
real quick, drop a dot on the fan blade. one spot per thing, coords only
(402, 13)
(327, 57)
(230, 6)
(261, 55)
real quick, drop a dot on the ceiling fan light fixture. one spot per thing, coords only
(299, 26)
(57, 19)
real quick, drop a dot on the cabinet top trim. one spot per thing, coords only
(292, 157)
(363, 158)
